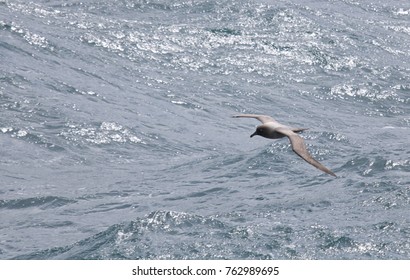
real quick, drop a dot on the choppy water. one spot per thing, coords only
(116, 139)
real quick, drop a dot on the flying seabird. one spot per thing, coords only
(270, 128)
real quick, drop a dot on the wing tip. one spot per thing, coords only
(333, 174)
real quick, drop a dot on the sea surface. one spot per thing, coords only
(117, 141)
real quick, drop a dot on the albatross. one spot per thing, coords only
(272, 129)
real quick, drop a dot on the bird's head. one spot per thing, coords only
(260, 130)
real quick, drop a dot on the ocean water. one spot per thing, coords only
(117, 142)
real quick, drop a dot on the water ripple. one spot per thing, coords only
(47, 202)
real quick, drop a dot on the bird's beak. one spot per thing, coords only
(255, 133)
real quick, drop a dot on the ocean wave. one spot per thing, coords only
(46, 202)
(104, 133)
(178, 235)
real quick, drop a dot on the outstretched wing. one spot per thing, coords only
(261, 118)
(298, 146)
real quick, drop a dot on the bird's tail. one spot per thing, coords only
(297, 130)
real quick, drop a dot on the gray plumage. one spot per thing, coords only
(272, 129)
